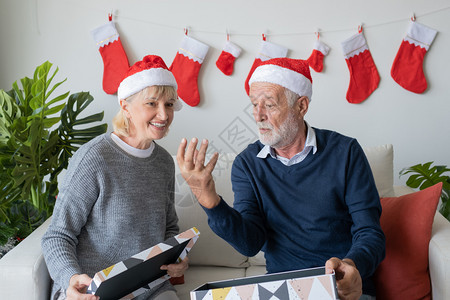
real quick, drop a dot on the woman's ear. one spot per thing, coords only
(122, 102)
(124, 106)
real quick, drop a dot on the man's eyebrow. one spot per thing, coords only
(265, 96)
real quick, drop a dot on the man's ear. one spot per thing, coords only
(302, 105)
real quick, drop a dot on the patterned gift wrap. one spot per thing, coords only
(189, 237)
(305, 284)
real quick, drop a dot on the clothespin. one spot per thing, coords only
(264, 37)
(228, 34)
(186, 30)
(413, 18)
(317, 33)
(110, 15)
(360, 28)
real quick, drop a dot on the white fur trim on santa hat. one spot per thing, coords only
(287, 78)
(150, 77)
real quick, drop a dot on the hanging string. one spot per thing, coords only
(289, 33)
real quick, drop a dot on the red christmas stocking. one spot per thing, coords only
(186, 66)
(407, 69)
(315, 60)
(225, 62)
(115, 61)
(364, 76)
(266, 52)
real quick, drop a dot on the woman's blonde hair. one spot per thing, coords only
(121, 123)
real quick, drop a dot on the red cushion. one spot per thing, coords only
(406, 222)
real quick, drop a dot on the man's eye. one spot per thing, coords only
(151, 103)
(169, 104)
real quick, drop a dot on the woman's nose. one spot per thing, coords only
(162, 112)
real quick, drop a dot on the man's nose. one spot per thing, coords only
(259, 113)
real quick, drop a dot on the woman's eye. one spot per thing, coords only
(151, 103)
(169, 104)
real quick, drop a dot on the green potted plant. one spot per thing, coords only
(38, 135)
(426, 175)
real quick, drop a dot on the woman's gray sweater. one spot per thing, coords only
(111, 205)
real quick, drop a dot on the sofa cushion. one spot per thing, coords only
(406, 222)
(381, 160)
(257, 260)
(209, 249)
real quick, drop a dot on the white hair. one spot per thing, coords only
(291, 97)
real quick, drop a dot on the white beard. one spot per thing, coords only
(281, 137)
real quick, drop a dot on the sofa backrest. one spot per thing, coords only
(211, 249)
(381, 160)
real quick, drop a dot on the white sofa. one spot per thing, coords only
(24, 275)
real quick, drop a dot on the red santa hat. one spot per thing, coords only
(290, 73)
(151, 70)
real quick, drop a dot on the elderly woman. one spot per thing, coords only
(117, 197)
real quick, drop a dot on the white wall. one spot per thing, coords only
(32, 31)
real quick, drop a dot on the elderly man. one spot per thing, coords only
(305, 196)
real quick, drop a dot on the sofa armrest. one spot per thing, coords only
(439, 258)
(23, 273)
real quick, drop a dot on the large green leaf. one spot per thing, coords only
(72, 137)
(8, 194)
(25, 218)
(9, 110)
(425, 175)
(32, 147)
(6, 232)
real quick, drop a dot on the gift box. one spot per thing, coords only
(301, 284)
(135, 275)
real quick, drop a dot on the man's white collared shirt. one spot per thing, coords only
(310, 144)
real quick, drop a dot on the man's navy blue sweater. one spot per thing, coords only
(302, 215)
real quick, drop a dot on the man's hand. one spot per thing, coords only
(348, 279)
(177, 270)
(78, 286)
(197, 175)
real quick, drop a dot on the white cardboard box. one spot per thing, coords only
(302, 284)
(130, 278)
